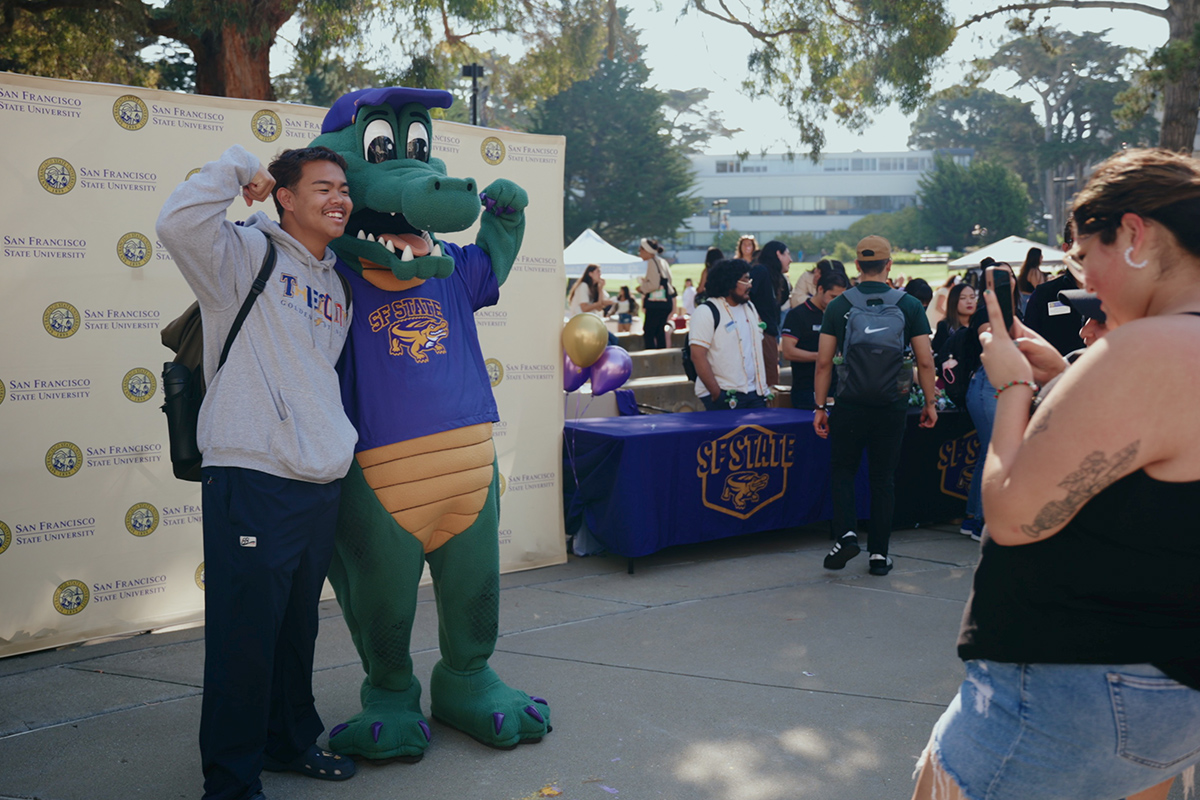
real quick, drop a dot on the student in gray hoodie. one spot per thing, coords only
(276, 445)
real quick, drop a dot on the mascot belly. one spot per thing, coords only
(424, 485)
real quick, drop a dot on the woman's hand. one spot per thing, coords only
(1004, 362)
(1043, 357)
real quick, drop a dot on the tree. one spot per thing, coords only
(975, 205)
(848, 56)
(1078, 79)
(77, 44)
(625, 175)
(230, 40)
(999, 128)
(902, 228)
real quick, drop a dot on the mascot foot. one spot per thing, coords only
(485, 708)
(390, 726)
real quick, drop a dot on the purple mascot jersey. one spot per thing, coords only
(419, 349)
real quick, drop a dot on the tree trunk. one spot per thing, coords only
(232, 45)
(226, 66)
(1181, 96)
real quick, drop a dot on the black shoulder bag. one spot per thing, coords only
(183, 378)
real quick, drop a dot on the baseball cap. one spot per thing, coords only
(342, 113)
(874, 248)
(1084, 303)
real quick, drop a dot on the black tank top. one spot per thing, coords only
(1120, 584)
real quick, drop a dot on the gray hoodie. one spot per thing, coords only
(275, 406)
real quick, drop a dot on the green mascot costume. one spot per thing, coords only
(424, 485)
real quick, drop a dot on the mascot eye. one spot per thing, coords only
(378, 142)
(418, 142)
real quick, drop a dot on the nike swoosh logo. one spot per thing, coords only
(874, 330)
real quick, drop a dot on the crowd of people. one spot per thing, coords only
(1081, 637)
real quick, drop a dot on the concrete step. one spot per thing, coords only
(635, 343)
(652, 363)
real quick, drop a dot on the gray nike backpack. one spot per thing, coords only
(873, 370)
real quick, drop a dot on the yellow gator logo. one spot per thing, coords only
(744, 470)
(418, 341)
(416, 327)
(957, 461)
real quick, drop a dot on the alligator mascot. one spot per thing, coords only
(424, 484)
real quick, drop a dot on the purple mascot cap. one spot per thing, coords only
(342, 113)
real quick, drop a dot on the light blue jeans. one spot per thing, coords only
(981, 405)
(1079, 731)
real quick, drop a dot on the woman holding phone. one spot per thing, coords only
(1082, 634)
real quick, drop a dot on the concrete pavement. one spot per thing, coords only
(731, 670)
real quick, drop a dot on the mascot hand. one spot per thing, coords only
(504, 198)
(502, 224)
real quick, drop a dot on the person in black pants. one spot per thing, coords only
(276, 444)
(802, 336)
(769, 292)
(876, 423)
(659, 292)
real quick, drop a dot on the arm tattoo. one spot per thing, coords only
(1042, 425)
(1094, 475)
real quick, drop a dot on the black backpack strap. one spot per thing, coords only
(346, 288)
(715, 312)
(256, 289)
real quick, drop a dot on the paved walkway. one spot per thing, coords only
(733, 670)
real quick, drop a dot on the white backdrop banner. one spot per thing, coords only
(97, 537)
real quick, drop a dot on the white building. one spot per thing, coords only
(770, 196)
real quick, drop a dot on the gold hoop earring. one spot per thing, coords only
(1129, 259)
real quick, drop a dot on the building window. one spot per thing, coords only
(729, 166)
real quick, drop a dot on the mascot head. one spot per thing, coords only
(401, 195)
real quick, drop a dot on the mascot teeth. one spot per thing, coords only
(437, 251)
(408, 254)
(362, 235)
(391, 247)
(370, 237)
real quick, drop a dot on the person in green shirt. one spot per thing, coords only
(876, 425)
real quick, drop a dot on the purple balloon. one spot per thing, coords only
(574, 375)
(611, 370)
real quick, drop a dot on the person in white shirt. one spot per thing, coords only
(588, 295)
(727, 351)
(689, 297)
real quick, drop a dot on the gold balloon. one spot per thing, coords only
(584, 337)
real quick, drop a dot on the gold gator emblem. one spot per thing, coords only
(416, 327)
(745, 470)
(419, 341)
(742, 488)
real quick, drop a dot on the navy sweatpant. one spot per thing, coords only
(267, 545)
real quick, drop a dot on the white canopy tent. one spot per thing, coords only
(1011, 251)
(590, 248)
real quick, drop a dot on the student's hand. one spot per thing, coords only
(1004, 362)
(1044, 357)
(821, 423)
(259, 188)
(928, 416)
